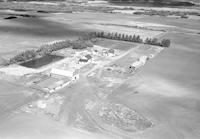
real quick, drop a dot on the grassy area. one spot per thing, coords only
(168, 89)
(115, 44)
(12, 96)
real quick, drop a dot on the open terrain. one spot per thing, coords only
(109, 99)
(168, 90)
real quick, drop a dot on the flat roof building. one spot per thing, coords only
(70, 73)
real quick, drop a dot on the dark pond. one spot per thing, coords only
(42, 61)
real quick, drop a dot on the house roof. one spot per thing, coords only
(83, 60)
(88, 56)
(111, 51)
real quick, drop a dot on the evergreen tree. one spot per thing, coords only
(134, 38)
(146, 40)
(137, 38)
(123, 36)
(116, 35)
(130, 38)
(102, 34)
(119, 36)
(112, 36)
(99, 34)
(108, 35)
(149, 41)
(127, 38)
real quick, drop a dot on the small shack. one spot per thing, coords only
(88, 56)
(85, 59)
(82, 60)
(111, 52)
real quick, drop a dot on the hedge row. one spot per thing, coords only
(48, 49)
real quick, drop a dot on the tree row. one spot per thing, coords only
(131, 38)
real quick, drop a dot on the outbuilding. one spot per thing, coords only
(85, 59)
(112, 51)
(88, 56)
(67, 73)
(140, 62)
(82, 60)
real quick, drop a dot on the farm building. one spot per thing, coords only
(88, 56)
(82, 60)
(108, 52)
(71, 73)
(140, 62)
(85, 59)
(112, 51)
(104, 52)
